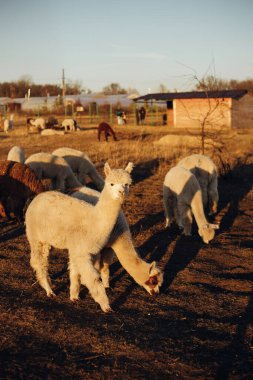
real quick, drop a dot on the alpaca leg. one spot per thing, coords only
(39, 262)
(185, 217)
(213, 202)
(74, 276)
(213, 195)
(168, 206)
(105, 261)
(91, 279)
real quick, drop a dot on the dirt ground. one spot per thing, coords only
(199, 326)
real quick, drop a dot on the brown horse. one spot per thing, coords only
(107, 130)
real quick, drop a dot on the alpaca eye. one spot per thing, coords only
(111, 184)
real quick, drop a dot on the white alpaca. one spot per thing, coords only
(16, 154)
(120, 242)
(57, 220)
(182, 197)
(51, 132)
(38, 123)
(206, 173)
(81, 165)
(48, 166)
(69, 124)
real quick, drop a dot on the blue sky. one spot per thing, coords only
(136, 43)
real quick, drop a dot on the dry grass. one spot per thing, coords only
(199, 327)
(137, 144)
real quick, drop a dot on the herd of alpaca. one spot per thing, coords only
(64, 214)
(39, 124)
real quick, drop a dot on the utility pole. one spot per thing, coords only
(63, 84)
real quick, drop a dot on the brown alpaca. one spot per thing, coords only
(108, 131)
(18, 184)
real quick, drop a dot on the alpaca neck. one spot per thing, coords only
(129, 258)
(106, 211)
(198, 210)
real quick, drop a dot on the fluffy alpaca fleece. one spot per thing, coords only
(18, 185)
(57, 220)
(69, 124)
(206, 173)
(51, 132)
(38, 123)
(120, 242)
(48, 166)
(17, 154)
(181, 198)
(81, 165)
(107, 130)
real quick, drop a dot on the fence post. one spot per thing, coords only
(134, 113)
(97, 112)
(110, 116)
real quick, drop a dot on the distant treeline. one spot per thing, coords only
(20, 89)
(211, 83)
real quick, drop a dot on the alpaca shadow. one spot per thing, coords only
(147, 222)
(144, 170)
(185, 251)
(232, 190)
(238, 348)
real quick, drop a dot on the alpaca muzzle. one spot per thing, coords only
(152, 285)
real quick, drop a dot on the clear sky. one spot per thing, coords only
(136, 43)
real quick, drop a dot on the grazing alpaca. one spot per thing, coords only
(38, 123)
(107, 130)
(18, 185)
(120, 242)
(81, 165)
(57, 220)
(206, 173)
(69, 124)
(182, 197)
(17, 154)
(48, 166)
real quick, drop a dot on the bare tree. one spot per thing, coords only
(211, 119)
(114, 89)
(163, 88)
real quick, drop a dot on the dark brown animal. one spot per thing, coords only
(107, 130)
(18, 185)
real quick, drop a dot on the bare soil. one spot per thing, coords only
(199, 326)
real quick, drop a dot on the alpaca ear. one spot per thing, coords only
(129, 167)
(107, 169)
(152, 267)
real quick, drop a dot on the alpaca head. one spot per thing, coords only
(117, 181)
(155, 280)
(207, 231)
